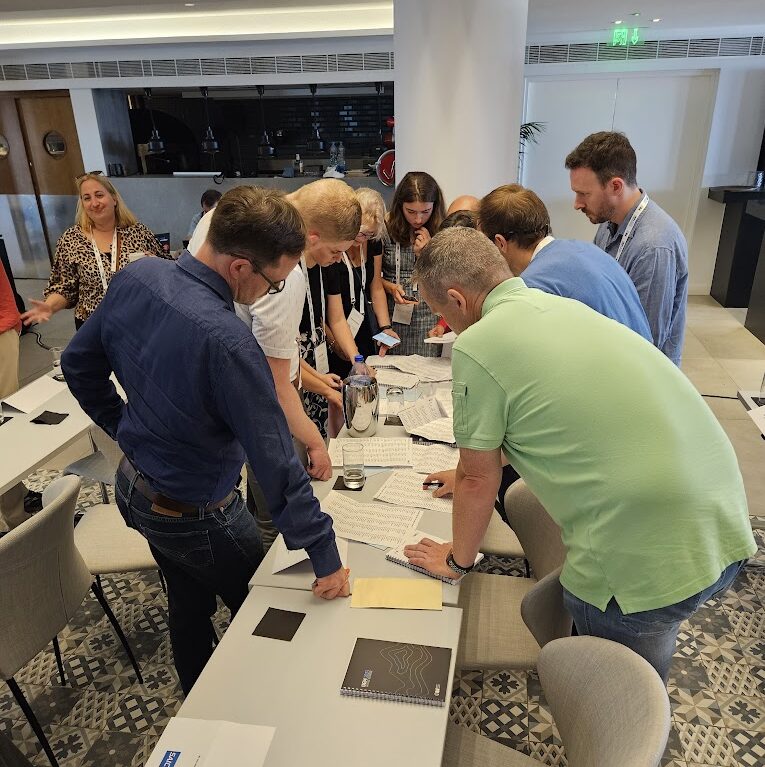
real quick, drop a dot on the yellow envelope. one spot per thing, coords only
(398, 593)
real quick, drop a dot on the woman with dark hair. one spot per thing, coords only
(106, 237)
(416, 213)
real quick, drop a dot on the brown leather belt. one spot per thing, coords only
(161, 504)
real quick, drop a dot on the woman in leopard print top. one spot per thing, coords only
(104, 224)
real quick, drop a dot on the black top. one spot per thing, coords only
(329, 278)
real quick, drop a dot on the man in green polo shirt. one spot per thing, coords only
(611, 437)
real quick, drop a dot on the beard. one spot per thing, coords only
(600, 216)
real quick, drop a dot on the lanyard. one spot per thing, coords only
(398, 264)
(100, 260)
(352, 280)
(631, 225)
(309, 296)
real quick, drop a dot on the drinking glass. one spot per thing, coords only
(395, 398)
(354, 475)
(56, 352)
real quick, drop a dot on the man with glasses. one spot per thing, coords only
(330, 211)
(201, 397)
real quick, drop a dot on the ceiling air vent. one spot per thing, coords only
(37, 72)
(130, 68)
(377, 60)
(583, 52)
(263, 65)
(288, 64)
(188, 67)
(704, 47)
(553, 54)
(238, 66)
(60, 71)
(317, 63)
(14, 72)
(757, 48)
(735, 46)
(350, 62)
(608, 52)
(107, 69)
(213, 66)
(673, 49)
(163, 68)
(648, 50)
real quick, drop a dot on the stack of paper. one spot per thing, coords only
(376, 523)
(426, 419)
(378, 451)
(427, 459)
(389, 377)
(34, 394)
(427, 369)
(404, 488)
(397, 593)
(446, 338)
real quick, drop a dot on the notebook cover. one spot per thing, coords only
(411, 673)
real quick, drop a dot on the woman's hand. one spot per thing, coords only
(421, 239)
(436, 332)
(40, 312)
(382, 349)
(332, 380)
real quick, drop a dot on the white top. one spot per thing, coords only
(199, 235)
(275, 320)
(541, 244)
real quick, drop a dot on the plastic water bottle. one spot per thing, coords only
(333, 155)
(360, 370)
(341, 157)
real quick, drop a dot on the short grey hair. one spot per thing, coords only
(462, 258)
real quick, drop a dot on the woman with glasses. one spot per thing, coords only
(357, 280)
(105, 238)
(416, 213)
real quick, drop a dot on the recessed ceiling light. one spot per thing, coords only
(189, 5)
(655, 20)
(637, 13)
(617, 21)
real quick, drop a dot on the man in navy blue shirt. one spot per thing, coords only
(200, 397)
(518, 223)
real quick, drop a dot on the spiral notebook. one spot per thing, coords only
(409, 673)
(397, 555)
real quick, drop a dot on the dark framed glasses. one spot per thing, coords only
(274, 288)
(89, 173)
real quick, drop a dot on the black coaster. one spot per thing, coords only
(340, 485)
(279, 624)
(50, 418)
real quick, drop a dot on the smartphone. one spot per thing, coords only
(387, 340)
(411, 298)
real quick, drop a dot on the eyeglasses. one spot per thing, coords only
(274, 288)
(89, 173)
(367, 235)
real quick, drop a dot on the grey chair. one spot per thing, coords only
(101, 464)
(40, 566)
(500, 539)
(493, 635)
(609, 704)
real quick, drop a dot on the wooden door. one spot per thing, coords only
(15, 177)
(52, 144)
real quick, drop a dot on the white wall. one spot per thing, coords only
(738, 120)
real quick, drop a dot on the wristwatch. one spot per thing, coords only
(454, 566)
(385, 327)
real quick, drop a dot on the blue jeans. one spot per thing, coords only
(214, 554)
(652, 633)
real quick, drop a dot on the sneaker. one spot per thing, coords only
(32, 501)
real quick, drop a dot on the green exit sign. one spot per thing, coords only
(621, 37)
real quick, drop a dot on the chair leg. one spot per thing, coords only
(104, 493)
(528, 569)
(32, 719)
(162, 581)
(99, 594)
(57, 652)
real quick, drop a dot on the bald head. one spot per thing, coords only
(464, 202)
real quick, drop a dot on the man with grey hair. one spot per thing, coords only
(612, 438)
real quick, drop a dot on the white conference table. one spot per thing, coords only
(295, 686)
(25, 446)
(364, 561)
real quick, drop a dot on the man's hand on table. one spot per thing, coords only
(319, 463)
(334, 585)
(447, 478)
(431, 556)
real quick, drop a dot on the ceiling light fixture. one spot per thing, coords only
(209, 144)
(636, 13)
(655, 20)
(155, 145)
(618, 21)
(189, 5)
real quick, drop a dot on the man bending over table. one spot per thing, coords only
(201, 397)
(607, 432)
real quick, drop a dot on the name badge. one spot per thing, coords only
(321, 358)
(402, 313)
(355, 319)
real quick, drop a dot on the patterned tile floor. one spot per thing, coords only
(104, 717)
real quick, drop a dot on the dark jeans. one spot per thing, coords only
(651, 633)
(214, 554)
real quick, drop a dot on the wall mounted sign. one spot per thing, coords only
(621, 37)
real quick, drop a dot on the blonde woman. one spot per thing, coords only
(355, 287)
(106, 236)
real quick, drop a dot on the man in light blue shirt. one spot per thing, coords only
(635, 231)
(517, 221)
